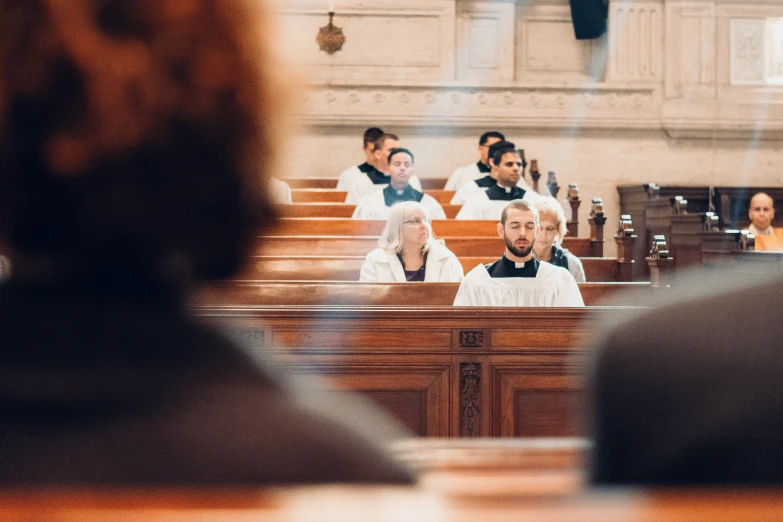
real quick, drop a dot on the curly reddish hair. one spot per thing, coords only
(134, 135)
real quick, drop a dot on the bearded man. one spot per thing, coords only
(518, 278)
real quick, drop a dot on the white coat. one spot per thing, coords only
(442, 266)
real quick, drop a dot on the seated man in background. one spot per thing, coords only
(476, 170)
(114, 205)
(553, 230)
(408, 250)
(371, 135)
(762, 212)
(378, 205)
(518, 278)
(490, 180)
(379, 176)
(507, 167)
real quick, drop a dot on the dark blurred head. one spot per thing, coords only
(135, 136)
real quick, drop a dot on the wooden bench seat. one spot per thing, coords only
(338, 210)
(338, 196)
(360, 246)
(346, 268)
(361, 227)
(354, 293)
(331, 183)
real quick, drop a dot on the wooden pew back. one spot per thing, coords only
(338, 196)
(337, 210)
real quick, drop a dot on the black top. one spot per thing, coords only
(499, 193)
(482, 167)
(375, 175)
(409, 193)
(558, 257)
(504, 267)
(414, 275)
(105, 390)
(486, 182)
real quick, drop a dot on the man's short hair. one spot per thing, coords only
(399, 150)
(519, 204)
(491, 134)
(371, 135)
(382, 139)
(497, 150)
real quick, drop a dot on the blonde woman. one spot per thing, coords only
(408, 250)
(553, 230)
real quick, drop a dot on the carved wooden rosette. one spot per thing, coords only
(330, 37)
(471, 338)
(469, 400)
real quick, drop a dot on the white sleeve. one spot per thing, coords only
(463, 297)
(344, 181)
(467, 211)
(358, 212)
(368, 273)
(451, 183)
(576, 268)
(463, 192)
(570, 295)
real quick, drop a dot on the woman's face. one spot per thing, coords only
(414, 229)
(549, 233)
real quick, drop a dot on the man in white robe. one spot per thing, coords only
(489, 203)
(371, 135)
(377, 205)
(377, 178)
(468, 173)
(518, 279)
(490, 180)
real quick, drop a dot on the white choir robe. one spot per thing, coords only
(468, 189)
(373, 206)
(463, 175)
(553, 286)
(348, 176)
(481, 207)
(442, 266)
(362, 185)
(280, 191)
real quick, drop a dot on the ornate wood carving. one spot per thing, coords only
(330, 37)
(471, 338)
(469, 400)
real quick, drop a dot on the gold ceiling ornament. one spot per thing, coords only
(330, 37)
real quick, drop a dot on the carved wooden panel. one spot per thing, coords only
(535, 401)
(471, 338)
(470, 400)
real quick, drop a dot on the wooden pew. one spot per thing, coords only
(346, 268)
(331, 183)
(334, 196)
(342, 503)
(360, 246)
(360, 227)
(354, 293)
(337, 210)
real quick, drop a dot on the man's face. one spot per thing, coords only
(484, 150)
(762, 211)
(520, 232)
(382, 155)
(509, 169)
(401, 170)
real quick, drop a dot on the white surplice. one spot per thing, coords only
(362, 185)
(373, 206)
(553, 286)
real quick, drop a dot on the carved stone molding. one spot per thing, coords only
(471, 338)
(470, 400)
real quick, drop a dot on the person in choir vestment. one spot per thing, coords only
(476, 170)
(408, 250)
(123, 188)
(548, 244)
(378, 205)
(490, 180)
(518, 278)
(380, 175)
(371, 135)
(280, 191)
(762, 212)
(489, 203)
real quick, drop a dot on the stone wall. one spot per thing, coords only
(684, 92)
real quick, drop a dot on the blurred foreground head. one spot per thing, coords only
(135, 139)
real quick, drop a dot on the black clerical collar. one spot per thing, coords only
(486, 182)
(499, 193)
(392, 196)
(504, 267)
(482, 167)
(376, 176)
